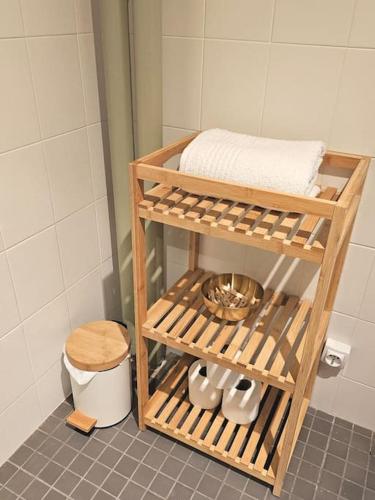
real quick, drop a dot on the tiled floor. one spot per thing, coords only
(332, 460)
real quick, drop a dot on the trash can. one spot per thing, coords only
(97, 356)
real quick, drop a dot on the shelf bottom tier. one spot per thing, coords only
(253, 448)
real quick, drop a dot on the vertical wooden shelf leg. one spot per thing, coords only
(193, 250)
(309, 366)
(140, 291)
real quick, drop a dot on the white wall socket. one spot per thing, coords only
(335, 353)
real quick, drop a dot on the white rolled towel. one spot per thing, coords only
(289, 166)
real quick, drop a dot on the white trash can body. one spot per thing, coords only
(107, 397)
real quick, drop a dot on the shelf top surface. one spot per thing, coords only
(266, 346)
(293, 234)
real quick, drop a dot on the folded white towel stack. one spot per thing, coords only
(290, 166)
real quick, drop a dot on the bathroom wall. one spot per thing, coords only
(55, 246)
(289, 69)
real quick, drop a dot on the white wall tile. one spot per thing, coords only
(97, 160)
(357, 268)
(223, 257)
(89, 79)
(2, 246)
(36, 271)
(85, 300)
(367, 311)
(234, 76)
(341, 327)
(10, 19)
(176, 245)
(294, 73)
(325, 390)
(79, 246)
(364, 220)
(25, 205)
(104, 229)
(174, 272)
(48, 17)
(18, 117)
(52, 388)
(181, 18)
(45, 333)
(84, 15)
(182, 77)
(322, 22)
(362, 33)
(9, 317)
(353, 122)
(15, 367)
(21, 418)
(56, 73)
(68, 163)
(244, 20)
(360, 365)
(355, 402)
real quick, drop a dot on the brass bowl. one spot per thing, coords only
(250, 291)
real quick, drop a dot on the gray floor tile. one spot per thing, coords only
(299, 449)
(35, 491)
(324, 415)
(236, 479)
(130, 427)
(155, 458)
(6, 494)
(50, 424)
(343, 423)
(172, 467)
(217, 469)
(358, 457)
(308, 471)
(360, 442)
(65, 455)
(106, 435)
(6, 472)
(36, 439)
(308, 420)
(78, 440)
(330, 482)
(369, 494)
(97, 473)
(163, 443)
(322, 426)
(67, 482)
(199, 461)
(114, 483)
(351, 491)
(313, 455)
(102, 495)
(341, 434)
(150, 496)
(355, 474)
(137, 449)
(84, 491)
(147, 436)
(81, 464)
(144, 475)
(109, 457)
(132, 491)
(209, 486)
(63, 432)
(49, 447)
(126, 466)
(180, 492)
(304, 489)
(322, 494)
(317, 439)
(362, 430)
(162, 485)
(55, 495)
(255, 489)
(51, 473)
(21, 455)
(334, 464)
(35, 463)
(190, 476)
(227, 492)
(94, 448)
(121, 441)
(370, 482)
(19, 481)
(180, 451)
(63, 410)
(338, 449)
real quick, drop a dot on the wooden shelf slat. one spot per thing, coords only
(265, 346)
(281, 232)
(249, 448)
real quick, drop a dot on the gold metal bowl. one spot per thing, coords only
(231, 296)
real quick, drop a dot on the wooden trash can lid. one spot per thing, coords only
(98, 346)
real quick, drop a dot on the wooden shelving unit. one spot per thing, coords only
(279, 344)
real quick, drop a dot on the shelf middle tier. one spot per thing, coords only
(266, 346)
(293, 234)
